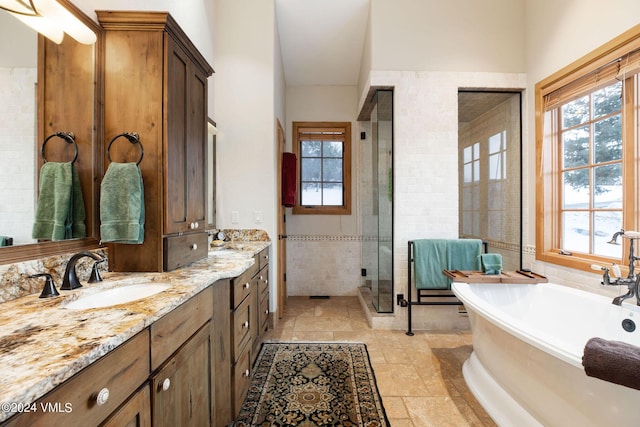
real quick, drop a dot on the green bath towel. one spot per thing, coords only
(122, 204)
(430, 258)
(60, 213)
(463, 254)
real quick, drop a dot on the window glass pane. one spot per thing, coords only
(476, 170)
(332, 170)
(311, 148)
(504, 165)
(575, 112)
(310, 194)
(608, 187)
(468, 171)
(607, 100)
(575, 189)
(575, 231)
(476, 151)
(608, 139)
(605, 225)
(495, 143)
(466, 155)
(575, 147)
(310, 169)
(332, 149)
(332, 194)
(495, 168)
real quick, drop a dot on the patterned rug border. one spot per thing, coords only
(375, 392)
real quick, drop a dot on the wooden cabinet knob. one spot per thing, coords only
(245, 324)
(246, 373)
(102, 396)
(165, 385)
(194, 246)
(266, 312)
(246, 285)
(194, 225)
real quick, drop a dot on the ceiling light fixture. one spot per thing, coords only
(50, 19)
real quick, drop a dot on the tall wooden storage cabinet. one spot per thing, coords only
(156, 86)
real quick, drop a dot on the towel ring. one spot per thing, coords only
(133, 138)
(69, 137)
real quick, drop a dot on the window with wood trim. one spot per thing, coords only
(587, 156)
(323, 150)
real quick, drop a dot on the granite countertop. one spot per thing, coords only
(42, 344)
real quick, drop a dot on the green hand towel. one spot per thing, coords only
(60, 212)
(491, 263)
(3, 240)
(122, 211)
(430, 258)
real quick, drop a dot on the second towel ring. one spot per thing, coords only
(133, 138)
(69, 138)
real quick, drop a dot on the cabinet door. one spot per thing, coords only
(181, 391)
(176, 185)
(186, 160)
(135, 413)
(222, 353)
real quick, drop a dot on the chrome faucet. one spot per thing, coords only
(631, 281)
(70, 279)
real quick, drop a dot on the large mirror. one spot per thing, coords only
(490, 183)
(46, 88)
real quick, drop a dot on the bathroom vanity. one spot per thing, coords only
(180, 357)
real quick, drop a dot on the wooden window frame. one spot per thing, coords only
(547, 174)
(345, 127)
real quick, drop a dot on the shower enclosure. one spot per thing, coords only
(376, 201)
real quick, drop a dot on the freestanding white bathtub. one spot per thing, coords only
(526, 365)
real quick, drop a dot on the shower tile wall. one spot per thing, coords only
(323, 265)
(17, 151)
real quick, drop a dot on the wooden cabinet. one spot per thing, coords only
(249, 321)
(181, 388)
(222, 353)
(136, 412)
(93, 394)
(156, 85)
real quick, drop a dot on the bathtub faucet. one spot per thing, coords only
(631, 281)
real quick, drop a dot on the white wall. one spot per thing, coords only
(559, 33)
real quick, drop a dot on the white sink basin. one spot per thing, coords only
(115, 296)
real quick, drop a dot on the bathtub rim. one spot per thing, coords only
(518, 328)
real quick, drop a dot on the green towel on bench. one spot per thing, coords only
(60, 212)
(122, 211)
(491, 263)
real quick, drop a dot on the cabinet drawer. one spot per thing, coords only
(241, 379)
(263, 281)
(241, 323)
(263, 314)
(120, 372)
(183, 250)
(242, 286)
(170, 331)
(263, 258)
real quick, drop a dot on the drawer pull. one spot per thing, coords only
(266, 257)
(194, 225)
(246, 374)
(266, 311)
(245, 324)
(164, 386)
(102, 396)
(261, 277)
(246, 285)
(194, 246)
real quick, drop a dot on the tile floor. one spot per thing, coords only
(419, 378)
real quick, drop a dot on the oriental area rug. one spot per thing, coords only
(312, 384)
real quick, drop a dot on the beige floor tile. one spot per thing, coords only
(419, 377)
